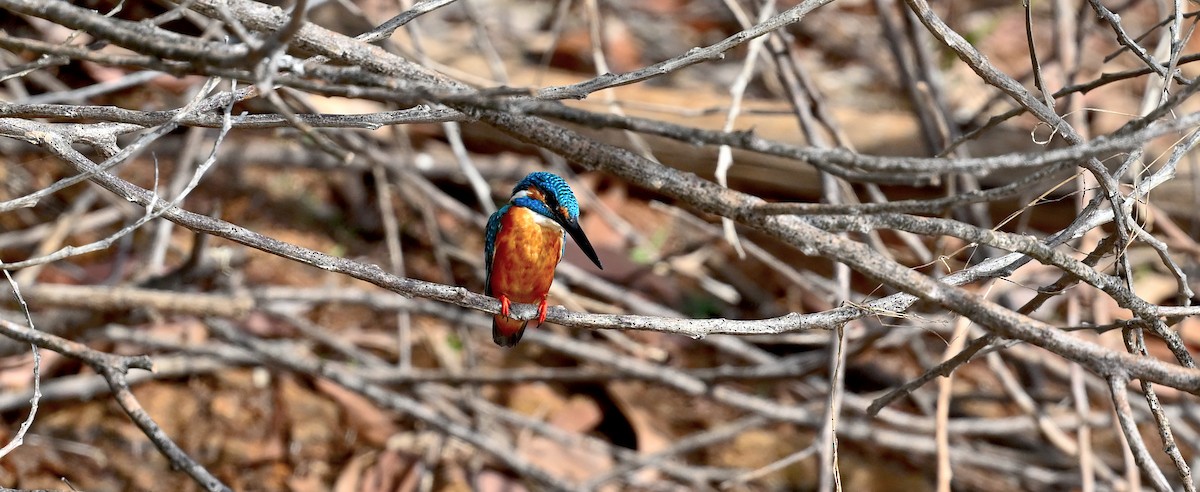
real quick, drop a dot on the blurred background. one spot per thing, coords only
(274, 374)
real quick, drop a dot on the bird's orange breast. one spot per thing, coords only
(525, 256)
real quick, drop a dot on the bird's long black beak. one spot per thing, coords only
(576, 232)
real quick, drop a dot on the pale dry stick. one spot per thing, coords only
(150, 39)
(85, 223)
(962, 328)
(1133, 473)
(575, 275)
(19, 437)
(1136, 344)
(1026, 403)
(906, 72)
(1184, 292)
(419, 192)
(928, 94)
(1176, 237)
(1068, 26)
(809, 110)
(830, 478)
(596, 40)
(1155, 93)
(104, 298)
(639, 304)
(1077, 88)
(391, 231)
(150, 214)
(1039, 82)
(1146, 32)
(1079, 397)
(678, 448)
(483, 192)
(69, 251)
(737, 91)
(914, 243)
(1178, 152)
(483, 41)
(775, 466)
(967, 427)
(156, 263)
(1178, 41)
(785, 369)
(83, 94)
(1172, 42)
(54, 86)
(995, 463)
(1133, 438)
(63, 228)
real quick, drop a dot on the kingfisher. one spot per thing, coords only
(525, 241)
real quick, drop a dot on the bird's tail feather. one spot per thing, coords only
(506, 332)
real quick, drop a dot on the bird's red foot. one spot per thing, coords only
(504, 306)
(542, 311)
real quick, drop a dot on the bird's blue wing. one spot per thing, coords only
(489, 246)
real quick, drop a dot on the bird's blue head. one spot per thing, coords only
(549, 195)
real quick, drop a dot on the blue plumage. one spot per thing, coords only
(489, 245)
(555, 188)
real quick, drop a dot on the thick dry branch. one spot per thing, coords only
(419, 114)
(141, 37)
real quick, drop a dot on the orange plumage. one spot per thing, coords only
(525, 256)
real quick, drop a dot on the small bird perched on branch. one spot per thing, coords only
(525, 241)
